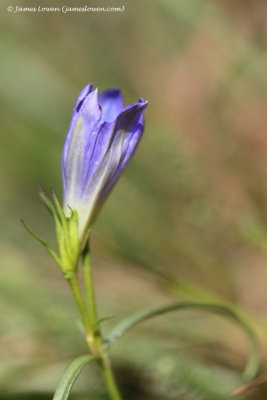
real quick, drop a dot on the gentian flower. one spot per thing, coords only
(102, 138)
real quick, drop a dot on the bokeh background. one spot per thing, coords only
(188, 219)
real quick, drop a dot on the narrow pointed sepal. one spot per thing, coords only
(67, 237)
(66, 234)
(46, 200)
(43, 243)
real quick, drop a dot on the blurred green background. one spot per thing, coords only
(188, 219)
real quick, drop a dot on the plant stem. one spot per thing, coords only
(109, 378)
(79, 301)
(89, 289)
(91, 325)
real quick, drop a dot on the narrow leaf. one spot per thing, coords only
(253, 362)
(103, 319)
(70, 375)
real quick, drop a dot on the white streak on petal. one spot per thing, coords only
(88, 207)
(74, 165)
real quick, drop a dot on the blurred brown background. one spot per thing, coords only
(188, 219)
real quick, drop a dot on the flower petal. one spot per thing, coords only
(103, 164)
(129, 126)
(131, 122)
(102, 138)
(116, 144)
(111, 102)
(78, 147)
(85, 91)
(93, 161)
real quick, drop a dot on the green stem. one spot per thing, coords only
(93, 338)
(109, 378)
(96, 341)
(89, 289)
(90, 321)
(73, 281)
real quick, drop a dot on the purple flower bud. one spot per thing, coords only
(102, 138)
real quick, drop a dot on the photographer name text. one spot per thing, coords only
(63, 9)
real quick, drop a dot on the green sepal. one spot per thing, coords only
(52, 209)
(59, 210)
(66, 233)
(67, 236)
(43, 242)
(72, 222)
(68, 241)
(46, 200)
